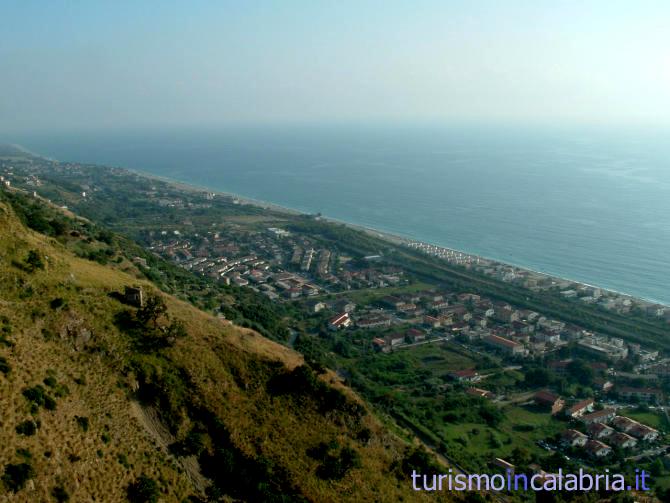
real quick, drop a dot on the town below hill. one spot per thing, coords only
(488, 365)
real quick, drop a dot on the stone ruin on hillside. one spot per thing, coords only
(134, 296)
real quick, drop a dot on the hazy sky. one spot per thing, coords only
(89, 64)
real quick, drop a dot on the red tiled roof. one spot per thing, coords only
(478, 392)
(464, 373)
(546, 397)
(502, 341)
(580, 405)
(414, 331)
(572, 434)
(598, 414)
(339, 319)
(619, 438)
(642, 429)
(597, 428)
(595, 446)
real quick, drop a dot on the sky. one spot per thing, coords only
(68, 65)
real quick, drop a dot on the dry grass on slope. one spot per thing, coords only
(227, 375)
(92, 458)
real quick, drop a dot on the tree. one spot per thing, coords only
(143, 490)
(27, 428)
(34, 261)
(60, 494)
(175, 330)
(152, 310)
(657, 468)
(16, 476)
(537, 377)
(580, 371)
(5, 368)
(474, 497)
(521, 456)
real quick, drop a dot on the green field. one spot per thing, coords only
(650, 418)
(473, 445)
(368, 296)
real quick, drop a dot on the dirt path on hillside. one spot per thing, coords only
(150, 420)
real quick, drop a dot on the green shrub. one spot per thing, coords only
(143, 490)
(82, 422)
(27, 427)
(34, 261)
(60, 494)
(335, 462)
(34, 394)
(49, 403)
(123, 460)
(16, 476)
(192, 445)
(5, 368)
(24, 453)
(38, 397)
(335, 466)
(417, 459)
(56, 303)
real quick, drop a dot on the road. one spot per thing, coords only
(429, 341)
(650, 452)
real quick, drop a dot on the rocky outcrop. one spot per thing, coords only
(76, 331)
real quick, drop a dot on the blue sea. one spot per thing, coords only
(589, 204)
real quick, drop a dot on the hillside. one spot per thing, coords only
(103, 400)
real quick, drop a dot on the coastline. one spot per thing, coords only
(381, 234)
(387, 236)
